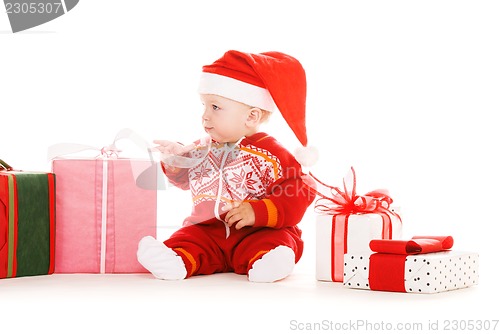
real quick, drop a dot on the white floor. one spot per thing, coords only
(227, 303)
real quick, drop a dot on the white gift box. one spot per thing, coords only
(335, 237)
(423, 273)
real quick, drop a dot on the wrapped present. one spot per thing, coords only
(347, 222)
(27, 222)
(419, 265)
(103, 209)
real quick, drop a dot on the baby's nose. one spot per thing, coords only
(204, 116)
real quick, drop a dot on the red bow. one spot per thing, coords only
(387, 264)
(416, 245)
(347, 201)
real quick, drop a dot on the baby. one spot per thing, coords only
(248, 191)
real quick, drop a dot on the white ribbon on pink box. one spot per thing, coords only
(104, 205)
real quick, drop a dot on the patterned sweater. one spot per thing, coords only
(257, 170)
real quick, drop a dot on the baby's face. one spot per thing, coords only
(224, 119)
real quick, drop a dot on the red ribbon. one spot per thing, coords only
(347, 201)
(341, 204)
(417, 245)
(387, 266)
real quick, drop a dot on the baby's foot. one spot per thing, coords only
(277, 264)
(160, 260)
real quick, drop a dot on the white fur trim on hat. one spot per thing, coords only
(306, 156)
(236, 90)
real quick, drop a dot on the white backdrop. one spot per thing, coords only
(405, 92)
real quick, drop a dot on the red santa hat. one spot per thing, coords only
(269, 81)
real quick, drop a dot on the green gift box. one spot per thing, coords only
(27, 222)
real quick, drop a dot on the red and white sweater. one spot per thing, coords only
(258, 170)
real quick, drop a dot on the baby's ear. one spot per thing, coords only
(254, 117)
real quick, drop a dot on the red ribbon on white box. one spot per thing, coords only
(387, 265)
(341, 204)
(332, 200)
(416, 245)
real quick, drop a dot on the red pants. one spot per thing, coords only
(205, 249)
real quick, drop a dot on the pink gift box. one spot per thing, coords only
(101, 214)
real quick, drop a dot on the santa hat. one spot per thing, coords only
(269, 81)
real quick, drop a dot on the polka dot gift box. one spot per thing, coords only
(419, 265)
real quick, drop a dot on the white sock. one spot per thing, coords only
(277, 264)
(160, 260)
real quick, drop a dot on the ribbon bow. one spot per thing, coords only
(416, 245)
(5, 166)
(110, 151)
(347, 201)
(145, 178)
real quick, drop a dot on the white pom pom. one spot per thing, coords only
(306, 156)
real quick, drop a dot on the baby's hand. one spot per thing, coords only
(239, 213)
(169, 147)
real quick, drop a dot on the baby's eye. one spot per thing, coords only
(214, 107)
